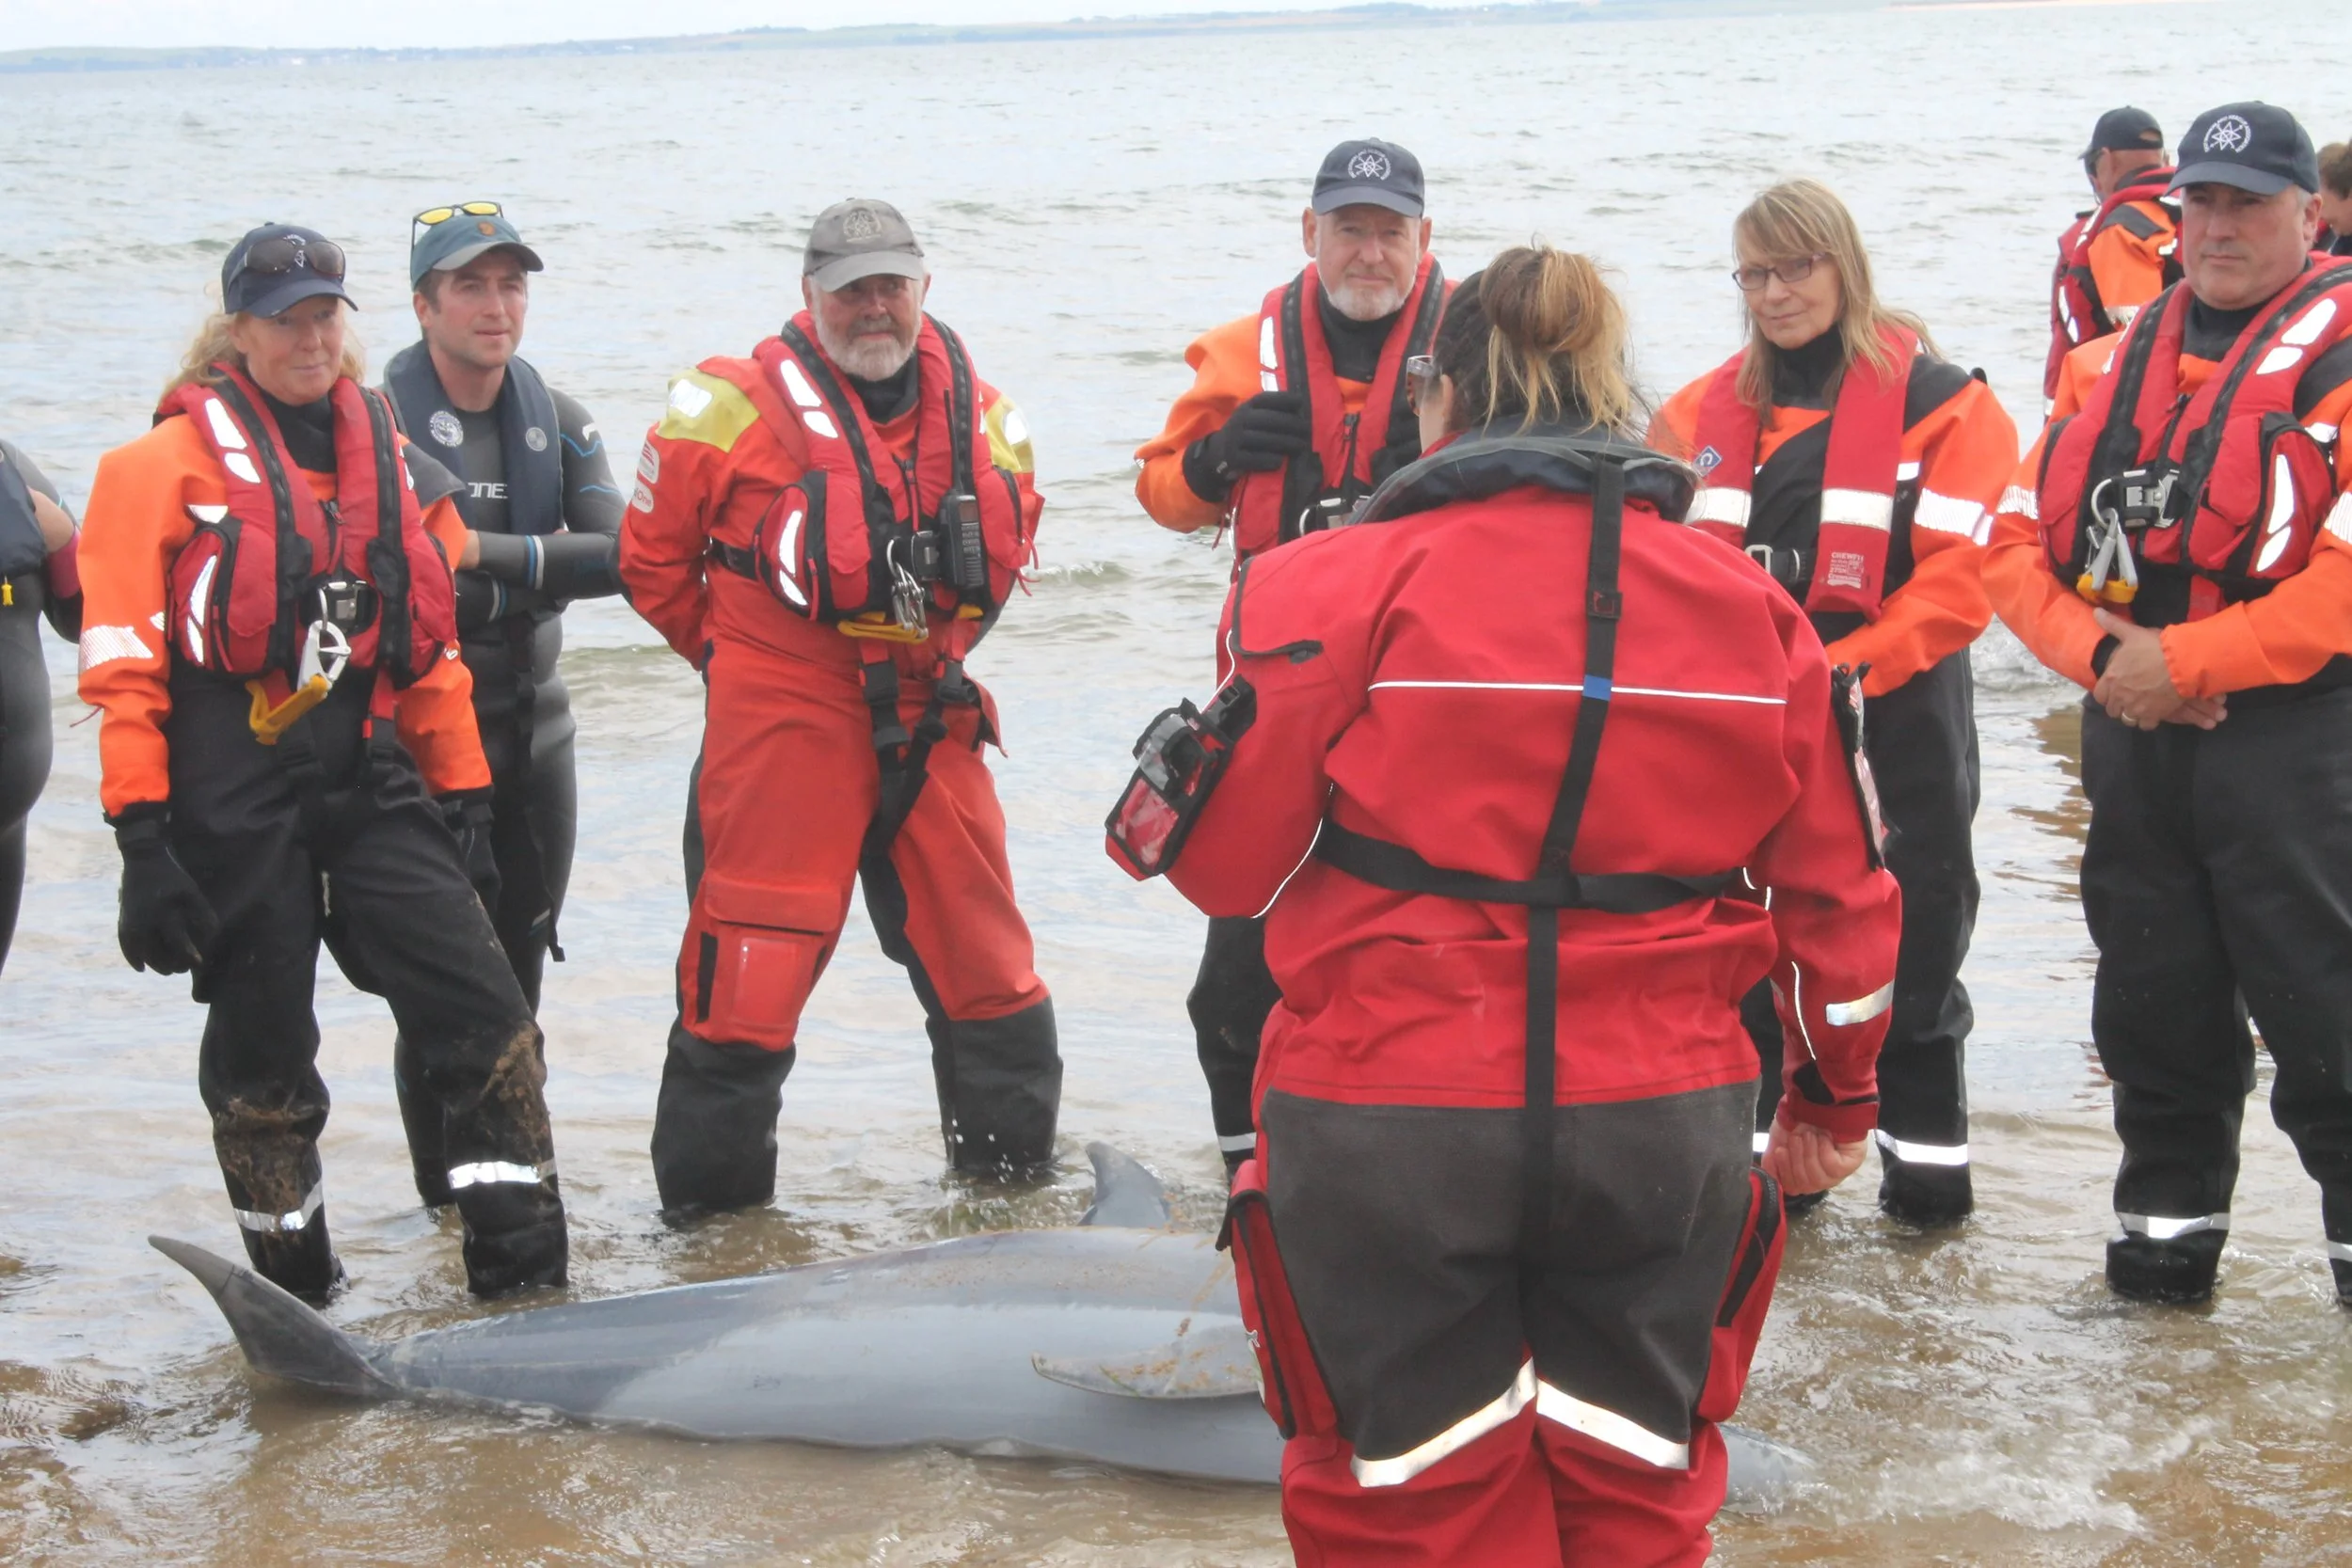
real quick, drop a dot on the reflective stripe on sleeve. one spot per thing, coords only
(1763, 1142)
(1717, 503)
(2022, 501)
(1943, 513)
(1922, 1154)
(1862, 1009)
(1244, 1143)
(294, 1220)
(105, 645)
(2164, 1227)
(1461, 1435)
(1858, 509)
(1607, 1426)
(483, 1173)
(2340, 1252)
(2339, 524)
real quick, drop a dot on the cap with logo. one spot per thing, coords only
(860, 238)
(279, 265)
(1369, 173)
(2256, 146)
(460, 233)
(2124, 130)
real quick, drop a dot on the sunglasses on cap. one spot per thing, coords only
(286, 253)
(1795, 270)
(433, 216)
(1421, 377)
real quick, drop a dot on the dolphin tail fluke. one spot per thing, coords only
(278, 1335)
(1764, 1475)
(1125, 1195)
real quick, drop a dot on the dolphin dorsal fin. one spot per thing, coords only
(1125, 1195)
(280, 1334)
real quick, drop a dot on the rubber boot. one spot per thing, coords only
(301, 1262)
(999, 1082)
(714, 1125)
(2177, 1272)
(515, 1236)
(1929, 1196)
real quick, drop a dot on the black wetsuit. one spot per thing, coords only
(23, 674)
(549, 517)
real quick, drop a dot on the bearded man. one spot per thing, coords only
(824, 529)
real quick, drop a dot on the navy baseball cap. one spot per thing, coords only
(1376, 173)
(442, 239)
(2124, 130)
(279, 265)
(2255, 147)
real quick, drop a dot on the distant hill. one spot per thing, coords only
(1348, 17)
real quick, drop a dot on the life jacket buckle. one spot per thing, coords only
(909, 604)
(2138, 499)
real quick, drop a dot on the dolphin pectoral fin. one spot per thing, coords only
(1125, 1195)
(1763, 1475)
(280, 1334)
(1211, 1362)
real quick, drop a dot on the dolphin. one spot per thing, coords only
(1119, 1342)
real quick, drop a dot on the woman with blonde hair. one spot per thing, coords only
(268, 629)
(1496, 756)
(1859, 471)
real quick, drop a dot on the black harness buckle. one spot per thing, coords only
(2138, 499)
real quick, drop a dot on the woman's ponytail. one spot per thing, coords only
(1538, 336)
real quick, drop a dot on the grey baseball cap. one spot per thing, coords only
(860, 238)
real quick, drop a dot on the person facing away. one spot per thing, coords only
(2335, 198)
(825, 527)
(542, 523)
(288, 753)
(2119, 255)
(2182, 549)
(1296, 411)
(40, 576)
(1505, 1098)
(1857, 468)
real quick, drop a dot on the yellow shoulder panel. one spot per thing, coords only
(707, 408)
(1008, 438)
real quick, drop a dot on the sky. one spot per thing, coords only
(390, 24)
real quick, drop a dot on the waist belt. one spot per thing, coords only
(735, 559)
(1789, 568)
(1398, 868)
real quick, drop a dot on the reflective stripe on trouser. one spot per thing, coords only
(1449, 1437)
(783, 796)
(2219, 867)
(1228, 1002)
(409, 917)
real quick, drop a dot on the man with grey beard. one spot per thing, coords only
(1296, 412)
(824, 529)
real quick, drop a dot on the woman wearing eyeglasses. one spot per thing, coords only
(289, 752)
(39, 575)
(1860, 470)
(1500, 751)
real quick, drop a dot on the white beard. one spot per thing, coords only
(868, 357)
(1368, 302)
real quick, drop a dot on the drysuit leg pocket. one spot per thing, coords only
(754, 957)
(1291, 1379)
(1747, 1296)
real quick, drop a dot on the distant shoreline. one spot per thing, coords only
(74, 58)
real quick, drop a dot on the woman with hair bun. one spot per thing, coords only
(1497, 756)
(1859, 470)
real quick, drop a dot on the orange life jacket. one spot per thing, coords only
(2077, 313)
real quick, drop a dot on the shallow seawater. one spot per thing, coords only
(1972, 1399)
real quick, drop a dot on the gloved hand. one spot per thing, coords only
(167, 925)
(1255, 438)
(468, 814)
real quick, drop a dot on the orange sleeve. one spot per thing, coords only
(683, 475)
(1673, 429)
(435, 715)
(1225, 376)
(1967, 451)
(2290, 632)
(137, 522)
(2128, 269)
(2048, 616)
(2084, 365)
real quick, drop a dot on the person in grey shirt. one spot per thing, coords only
(37, 577)
(544, 521)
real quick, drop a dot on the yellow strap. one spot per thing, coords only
(270, 722)
(883, 628)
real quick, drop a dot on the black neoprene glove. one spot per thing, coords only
(468, 814)
(167, 924)
(1255, 438)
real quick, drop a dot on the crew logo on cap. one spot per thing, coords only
(2230, 134)
(861, 223)
(1371, 164)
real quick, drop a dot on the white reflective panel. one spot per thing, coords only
(1607, 1426)
(2022, 501)
(239, 463)
(1762, 1142)
(1862, 1009)
(2340, 1252)
(1944, 513)
(1718, 503)
(2303, 334)
(1240, 1143)
(105, 645)
(788, 552)
(2340, 518)
(2323, 433)
(293, 1220)
(1906, 471)
(196, 609)
(208, 514)
(688, 399)
(796, 386)
(225, 428)
(1922, 1154)
(483, 1173)
(2166, 1228)
(2281, 511)
(821, 424)
(1015, 425)
(1269, 353)
(1468, 1430)
(2122, 314)
(1858, 509)
(2279, 358)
